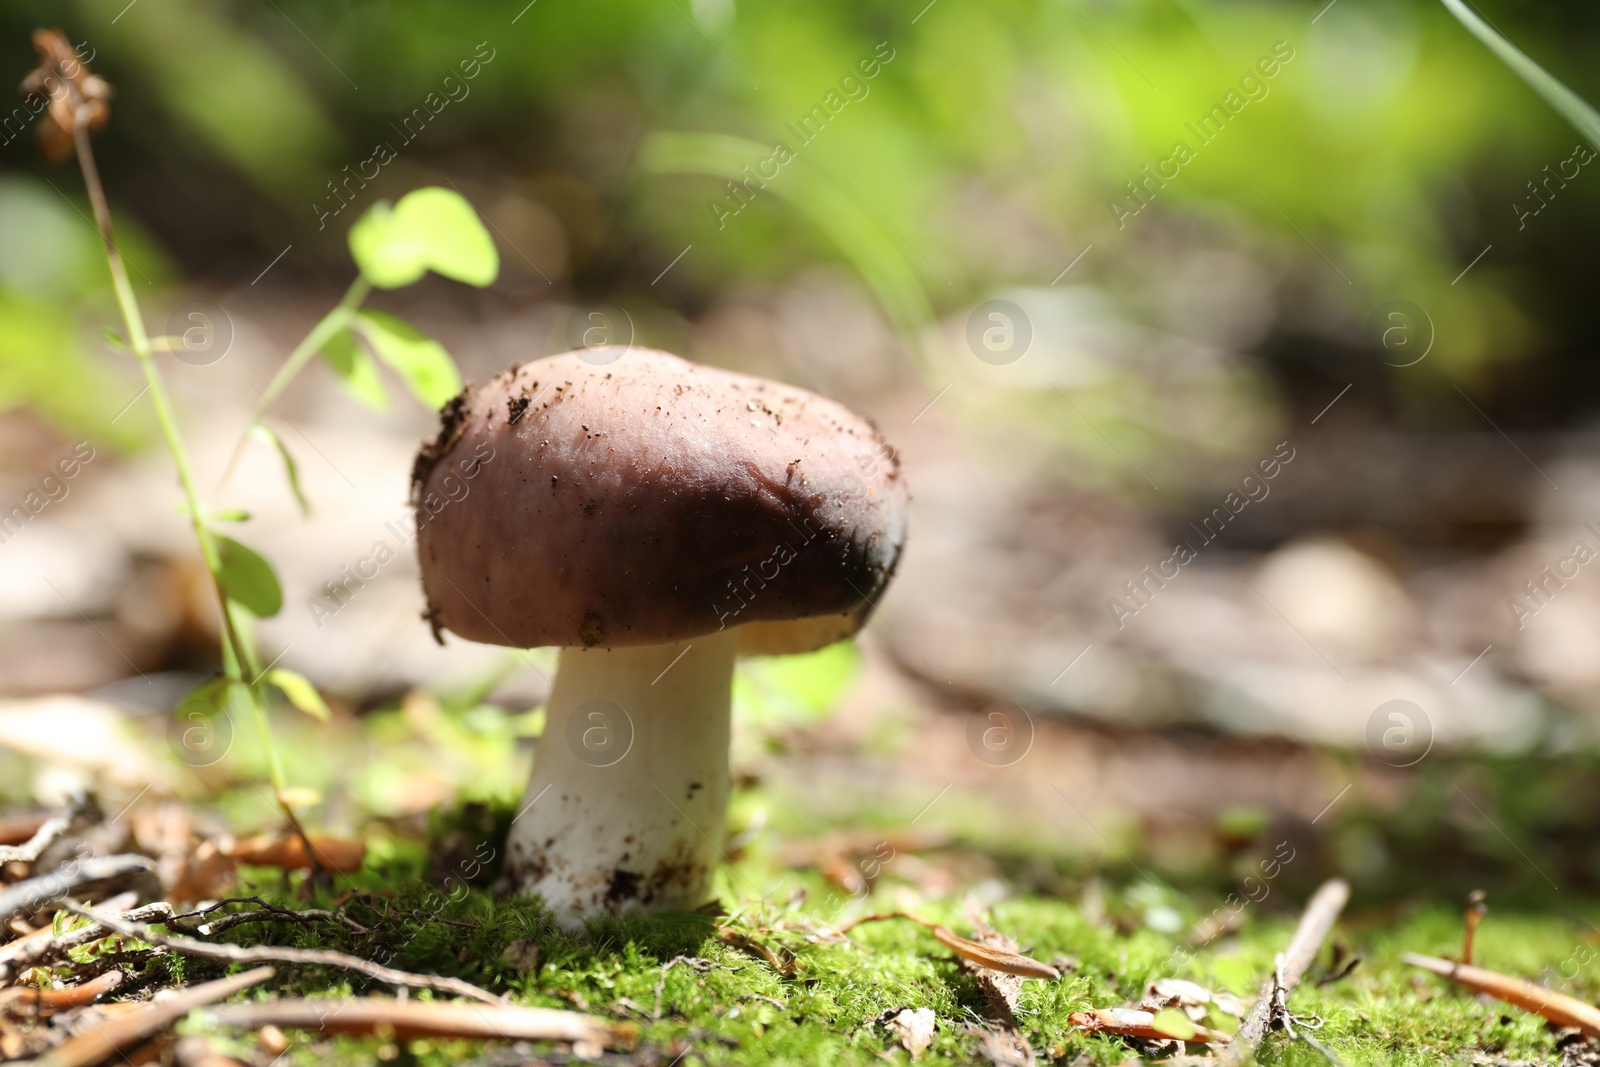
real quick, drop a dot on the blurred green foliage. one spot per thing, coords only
(982, 155)
(51, 266)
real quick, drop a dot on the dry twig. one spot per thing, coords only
(694, 963)
(40, 945)
(32, 893)
(26, 1001)
(101, 1042)
(188, 946)
(16, 827)
(268, 913)
(1316, 922)
(47, 832)
(415, 1018)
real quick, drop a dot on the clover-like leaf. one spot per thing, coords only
(429, 229)
(201, 731)
(248, 578)
(291, 469)
(301, 693)
(355, 369)
(209, 698)
(420, 360)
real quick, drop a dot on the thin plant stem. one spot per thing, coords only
(330, 324)
(236, 654)
(139, 340)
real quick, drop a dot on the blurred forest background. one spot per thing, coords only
(1166, 345)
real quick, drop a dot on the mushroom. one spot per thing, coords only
(653, 518)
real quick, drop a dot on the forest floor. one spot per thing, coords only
(774, 980)
(421, 791)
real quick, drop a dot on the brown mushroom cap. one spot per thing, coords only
(652, 500)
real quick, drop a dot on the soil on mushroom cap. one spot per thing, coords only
(452, 424)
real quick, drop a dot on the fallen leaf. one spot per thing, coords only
(1000, 1049)
(993, 958)
(289, 852)
(1003, 1043)
(1134, 1022)
(1194, 1000)
(1529, 996)
(207, 873)
(522, 955)
(912, 1027)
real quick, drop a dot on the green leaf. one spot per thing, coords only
(774, 691)
(429, 229)
(869, 242)
(206, 699)
(1573, 107)
(202, 730)
(384, 259)
(248, 579)
(424, 364)
(1173, 1023)
(114, 339)
(301, 693)
(291, 469)
(356, 369)
(228, 515)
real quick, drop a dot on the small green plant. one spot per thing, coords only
(393, 246)
(1571, 106)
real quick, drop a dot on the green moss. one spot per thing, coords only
(724, 1003)
(1412, 854)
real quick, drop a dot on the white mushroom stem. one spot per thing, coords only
(625, 810)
